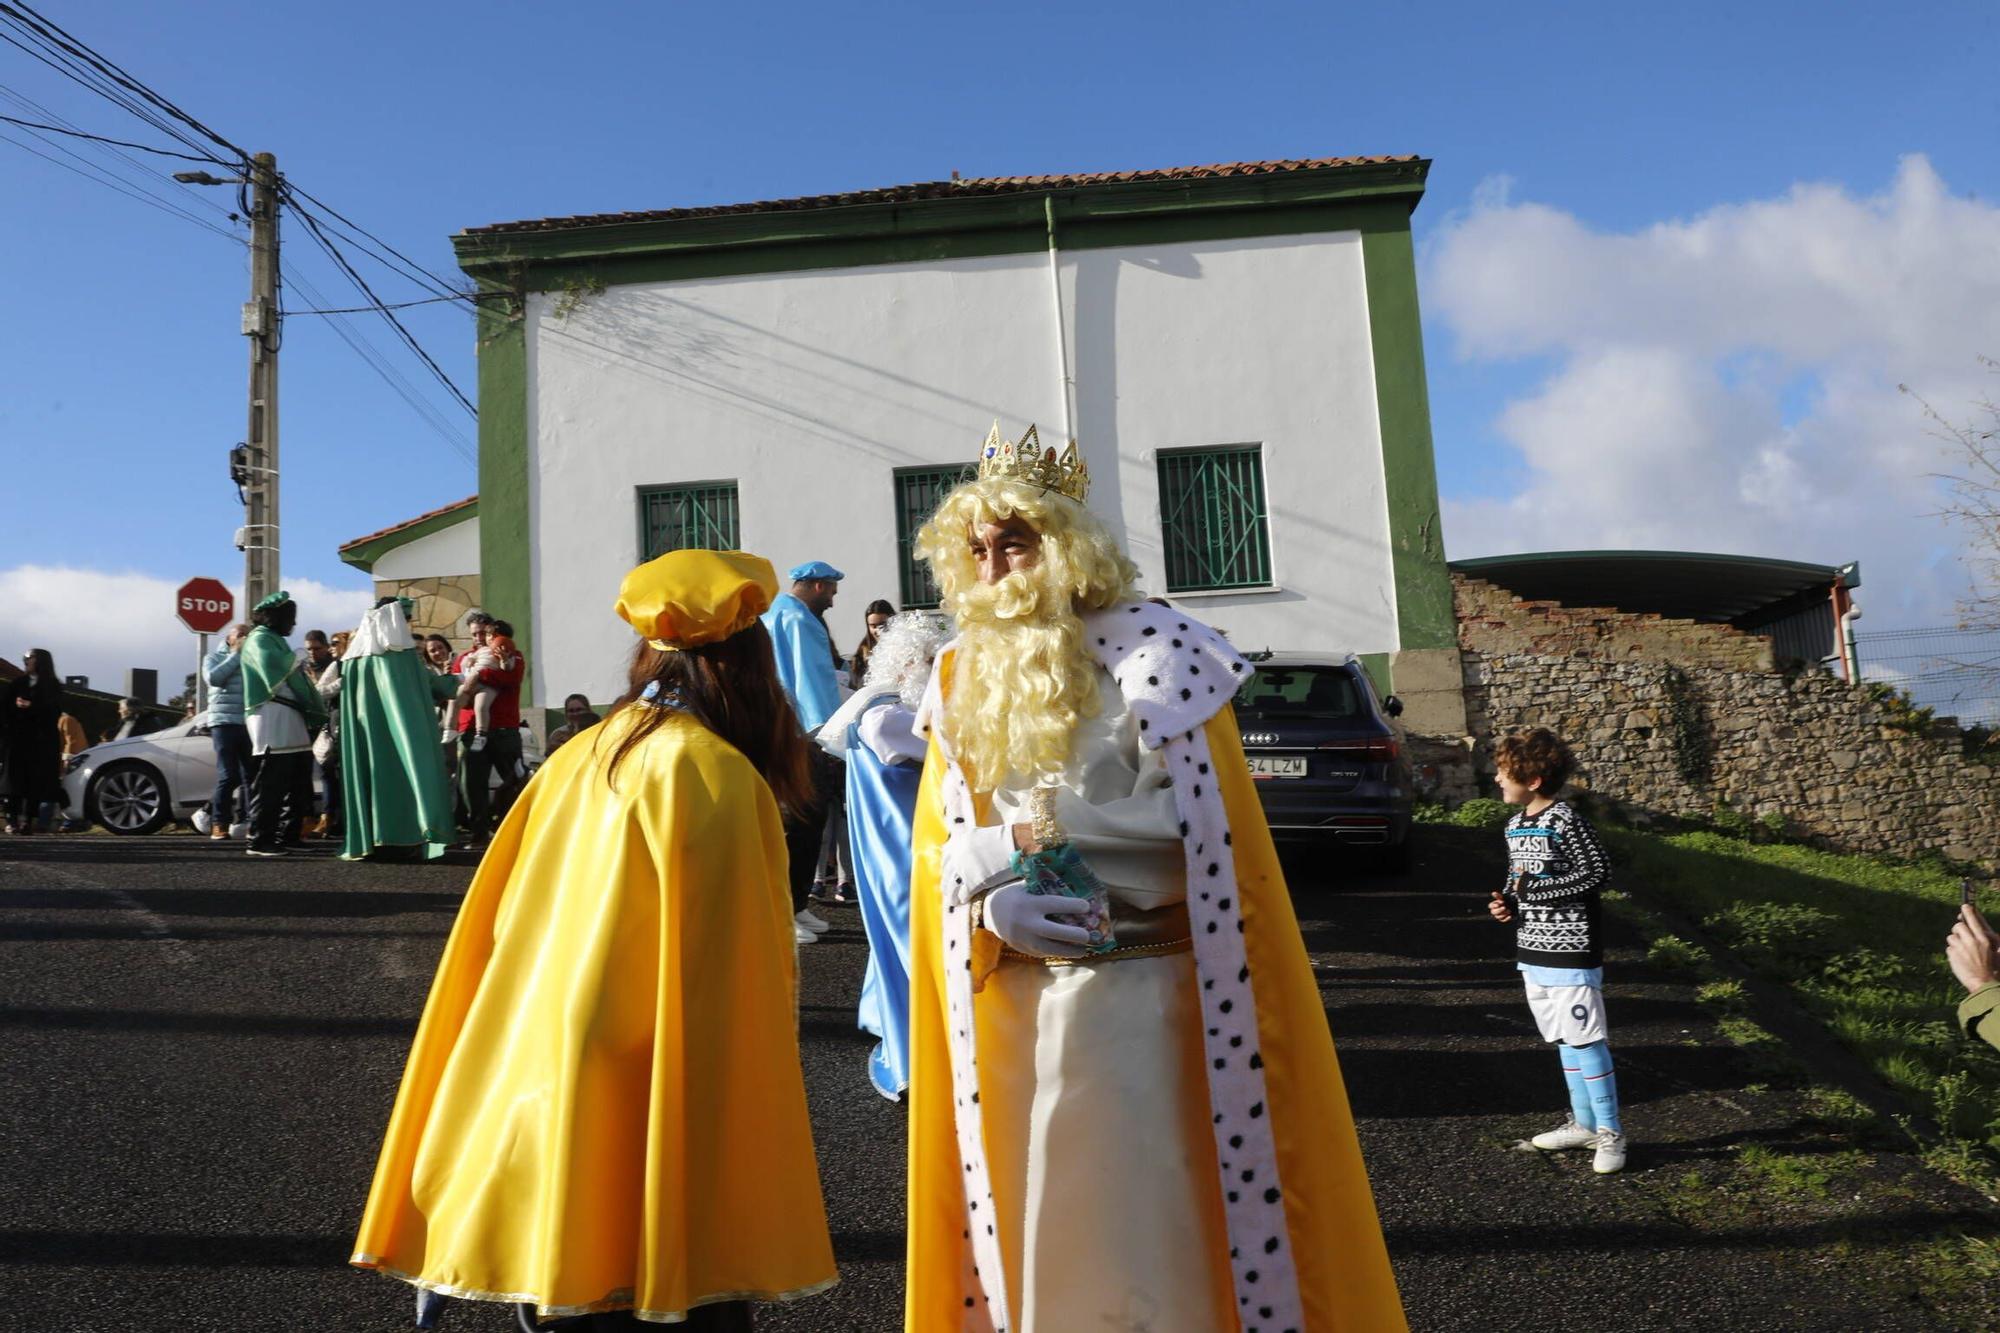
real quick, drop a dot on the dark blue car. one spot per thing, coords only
(1328, 766)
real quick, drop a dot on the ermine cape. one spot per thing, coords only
(1306, 1247)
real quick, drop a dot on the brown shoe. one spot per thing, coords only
(218, 834)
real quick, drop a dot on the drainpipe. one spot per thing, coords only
(1062, 332)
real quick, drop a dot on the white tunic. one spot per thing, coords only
(1091, 1080)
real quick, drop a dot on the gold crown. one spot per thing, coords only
(1028, 462)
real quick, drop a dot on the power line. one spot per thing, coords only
(372, 357)
(50, 31)
(333, 252)
(69, 70)
(442, 285)
(472, 297)
(183, 191)
(125, 188)
(98, 138)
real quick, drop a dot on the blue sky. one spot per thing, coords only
(124, 367)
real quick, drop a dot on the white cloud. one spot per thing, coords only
(1729, 382)
(97, 623)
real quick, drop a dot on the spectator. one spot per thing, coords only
(437, 654)
(74, 741)
(227, 733)
(189, 708)
(30, 742)
(318, 652)
(577, 716)
(1974, 954)
(874, 620)
(133, 720)
(805, 654)
(326, 745)
(502, 749)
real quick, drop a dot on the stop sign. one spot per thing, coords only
(204, 605)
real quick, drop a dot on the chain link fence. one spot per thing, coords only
(1951, 670)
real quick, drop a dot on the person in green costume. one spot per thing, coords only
(393, 783)
(281, 709)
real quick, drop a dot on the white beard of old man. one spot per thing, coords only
(1025, 674)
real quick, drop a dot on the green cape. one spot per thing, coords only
(394, 791)
(268, 662)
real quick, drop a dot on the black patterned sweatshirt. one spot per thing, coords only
(1556, 870)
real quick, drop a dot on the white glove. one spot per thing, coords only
(1037, 923)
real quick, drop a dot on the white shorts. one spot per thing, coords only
(1572, 1015)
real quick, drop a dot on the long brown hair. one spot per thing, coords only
(732, 688)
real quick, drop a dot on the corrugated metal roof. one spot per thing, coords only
(1685, 585)
(946, 189)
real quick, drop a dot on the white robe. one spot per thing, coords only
(1097, 1119)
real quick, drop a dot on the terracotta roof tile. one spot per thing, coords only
(948, 189)
(411, 522)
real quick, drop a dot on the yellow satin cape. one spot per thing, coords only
(604, 1107)
(1345, 1281)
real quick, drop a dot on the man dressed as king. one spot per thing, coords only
(1126, 1110)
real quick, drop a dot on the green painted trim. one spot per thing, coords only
(1381, 672)
(363, 554)
(1424, 616)
(505, 586)
(929, 230)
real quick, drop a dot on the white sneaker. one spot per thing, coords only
(806, 918)
(1569, 1134)
(1610, 1153)
(477, 743)
(239, 830)
(800, 935)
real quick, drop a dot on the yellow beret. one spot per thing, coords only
(684, 599)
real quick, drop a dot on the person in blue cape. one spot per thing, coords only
(805, 654)
(875, 732)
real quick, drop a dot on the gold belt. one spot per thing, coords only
(1141, 934)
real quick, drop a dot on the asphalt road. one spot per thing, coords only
(200, 1052)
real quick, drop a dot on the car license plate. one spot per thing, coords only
(1277, 766)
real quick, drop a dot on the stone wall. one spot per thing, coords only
(1808, 748)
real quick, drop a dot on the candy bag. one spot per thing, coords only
(1063, 870)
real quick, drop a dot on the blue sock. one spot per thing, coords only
(1595, 1061)
(1579, 1092)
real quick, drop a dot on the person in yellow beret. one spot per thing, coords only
(603, 1118)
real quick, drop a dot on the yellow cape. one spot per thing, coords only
(1345, 1281)
(604, 1106)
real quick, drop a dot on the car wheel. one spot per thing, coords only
(130, 799)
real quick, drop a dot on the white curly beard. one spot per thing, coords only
(1023, 678)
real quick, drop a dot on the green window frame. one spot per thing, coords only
(1213, 518)
(701, 515)
(919, 490)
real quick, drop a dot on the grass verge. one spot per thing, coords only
(1860, 943)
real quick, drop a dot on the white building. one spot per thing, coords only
(804, 378)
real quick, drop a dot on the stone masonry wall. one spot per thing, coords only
(1808, 747)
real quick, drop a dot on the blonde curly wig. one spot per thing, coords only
(1023, 675)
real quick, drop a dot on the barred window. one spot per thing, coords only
(1217, 533)
(701, 516)
(919, 490)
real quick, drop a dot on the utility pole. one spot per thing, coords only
(261, 542)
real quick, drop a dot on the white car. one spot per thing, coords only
(140, 784)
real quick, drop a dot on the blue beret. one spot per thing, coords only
(814, 569)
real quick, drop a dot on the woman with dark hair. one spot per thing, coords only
(604, 1111)
(31, 708)
(874, 620)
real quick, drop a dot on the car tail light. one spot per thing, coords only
(1381, 751)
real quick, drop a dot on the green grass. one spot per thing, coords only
(1860, 942)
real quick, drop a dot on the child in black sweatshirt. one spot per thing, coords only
(1556, 870)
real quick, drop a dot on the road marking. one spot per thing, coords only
(152, 925)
